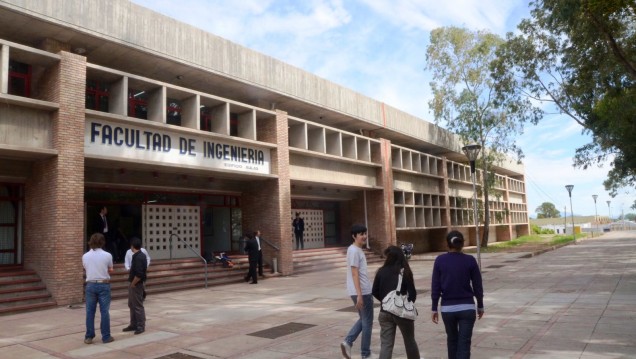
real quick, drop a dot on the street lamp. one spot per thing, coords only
(595, 196)
(609, 210)
(569, 188)
(472, 151)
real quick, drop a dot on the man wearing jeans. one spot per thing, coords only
(359, 288)
(98, 265)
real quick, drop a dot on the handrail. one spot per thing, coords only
(270, 243)
(193, 251)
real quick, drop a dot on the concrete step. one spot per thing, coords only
(22, 290)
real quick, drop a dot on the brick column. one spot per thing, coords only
(54, 194)
(380, 204)
(266, 206)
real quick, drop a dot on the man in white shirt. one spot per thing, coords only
(359, 288)
(98, 265)
(129, 254)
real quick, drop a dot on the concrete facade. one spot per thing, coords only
(323, 146)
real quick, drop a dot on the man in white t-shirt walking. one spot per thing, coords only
(359, 288)
(98, 265)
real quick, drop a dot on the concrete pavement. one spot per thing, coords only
(578, 301)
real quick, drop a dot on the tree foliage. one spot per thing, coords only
(580, 55)
(547, 210)
(469, 102)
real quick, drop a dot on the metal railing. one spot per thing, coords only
(193, 251)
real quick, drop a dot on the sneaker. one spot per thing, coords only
(109, 340)
(346, 349)
(88, 340)
(129, 329)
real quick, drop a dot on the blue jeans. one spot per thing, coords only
(97, 293)
(459, 332)
(364, 325)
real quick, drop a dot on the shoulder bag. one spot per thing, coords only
(398, 304)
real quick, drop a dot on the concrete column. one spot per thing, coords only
(190, 113)
(118, 99)
(444, 190)
(54, 194)
(4, 69)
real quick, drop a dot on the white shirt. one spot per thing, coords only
(258, 241)
(128, 258)
(356, 258)
(96, 263)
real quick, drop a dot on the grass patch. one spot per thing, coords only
(531, 241)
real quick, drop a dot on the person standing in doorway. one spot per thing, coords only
(251, 247)
(103, 227)
(457, 281)
(299, 230)
(386, 280)
(359, 289)
(137, 279)
(257, 237)
(98, 265)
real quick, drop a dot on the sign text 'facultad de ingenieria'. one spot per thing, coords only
(145, 144)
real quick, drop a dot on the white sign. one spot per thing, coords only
(144, 144)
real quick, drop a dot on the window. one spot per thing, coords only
(19, 79)
(138, 104)
(206, 119)
(233, 124)
(173, 115)
(96, 96)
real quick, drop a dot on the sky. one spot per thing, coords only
(378, 48)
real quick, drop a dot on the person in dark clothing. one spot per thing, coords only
(457, 280)
(137, 279)
(386, 280)
(259, 243)
(251, 247)
(299, 230)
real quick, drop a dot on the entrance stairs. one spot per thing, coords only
(22, 290)
(180, 274)
(320, 259)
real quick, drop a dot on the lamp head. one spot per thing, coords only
(595, 196)
(471, 151)
(569, 188)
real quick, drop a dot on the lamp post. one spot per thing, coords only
(472, 151)
(569, 188)
(595, 196)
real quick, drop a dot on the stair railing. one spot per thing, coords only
(270, 244)
(205, 263)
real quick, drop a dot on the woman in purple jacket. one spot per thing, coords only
(457, 280)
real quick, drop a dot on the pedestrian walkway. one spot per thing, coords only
(578, 301)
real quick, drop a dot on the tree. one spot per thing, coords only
(580, 55)
(468, 103)
(547, 210)
(630, 216)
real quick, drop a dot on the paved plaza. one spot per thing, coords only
(578, 301)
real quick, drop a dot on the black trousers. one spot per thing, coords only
(252, 272)
(260, 263)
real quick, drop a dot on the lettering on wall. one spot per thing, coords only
(136, 143)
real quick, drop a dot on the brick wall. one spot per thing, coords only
(54, 194)
(266, 205)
